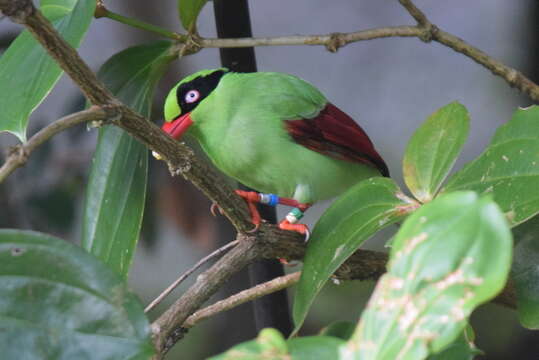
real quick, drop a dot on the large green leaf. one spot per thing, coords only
(271, 345)
(117, 187)
(447, 258)
(315, 348)
(28, 73)
(433, 149)
(508, 168)
(58, 302)
(356, 215)
(525, 272)
(189, 10)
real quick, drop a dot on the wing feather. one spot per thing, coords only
(335, 134)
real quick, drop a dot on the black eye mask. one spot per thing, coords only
(204, 85)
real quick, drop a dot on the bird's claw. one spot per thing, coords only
(214, 206)
(300, 228)
(253, 230)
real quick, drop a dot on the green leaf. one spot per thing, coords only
(28, 73)
(508, 168)
(117, 188)
(356, 215)
(189, 10)
(525, 272)
(314, 348)
(433, 149)
(461, 349)
(59, 302)
(448, 257)
(339, 329)
(269, 344)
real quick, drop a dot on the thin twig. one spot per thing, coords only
(417, 14)
(167, 328)
(426, 33)
(184, 276)
(242, 297)
(425, 30)
(331, 41)
(19, 154)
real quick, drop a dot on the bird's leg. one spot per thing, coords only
(252, 198)
(290, 222)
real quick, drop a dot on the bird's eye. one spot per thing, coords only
(192, 96)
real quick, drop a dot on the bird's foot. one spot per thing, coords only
(300, 228)
(251, 198)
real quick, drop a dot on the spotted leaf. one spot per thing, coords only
(448, 257)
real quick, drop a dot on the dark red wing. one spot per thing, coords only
(335, 134)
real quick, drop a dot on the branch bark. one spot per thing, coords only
(425, 31)
(186, 274)
(18, 155)
(167, 328)
(242, 297)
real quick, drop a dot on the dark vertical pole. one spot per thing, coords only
(233, 21)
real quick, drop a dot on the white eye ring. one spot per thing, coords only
(192, 96)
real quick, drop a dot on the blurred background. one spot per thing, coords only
(388, 85)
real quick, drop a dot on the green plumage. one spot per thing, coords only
(241, 127)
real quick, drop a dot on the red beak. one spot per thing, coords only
(178, 126)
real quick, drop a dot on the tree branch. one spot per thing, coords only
(417, 14)
(184, 276)
(506, 298)
(425, 30)
(331, 41)
(167, 328)
(242, 297)
(24, 12)
(431, 32)
(18, 155)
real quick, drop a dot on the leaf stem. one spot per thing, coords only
(102, 11)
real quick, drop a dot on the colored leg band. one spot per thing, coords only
(269, 199)
(294, 215)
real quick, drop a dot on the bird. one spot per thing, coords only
(274, 133)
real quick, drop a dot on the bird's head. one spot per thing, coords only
(183, 99)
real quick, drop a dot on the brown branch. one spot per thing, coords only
(425, 30)
(24, 12)
(18, 155)
(506, 298)
(184, 276)
(331, 41)
(417, 14)
(431, 32)
(242, 297)
(167, 328)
